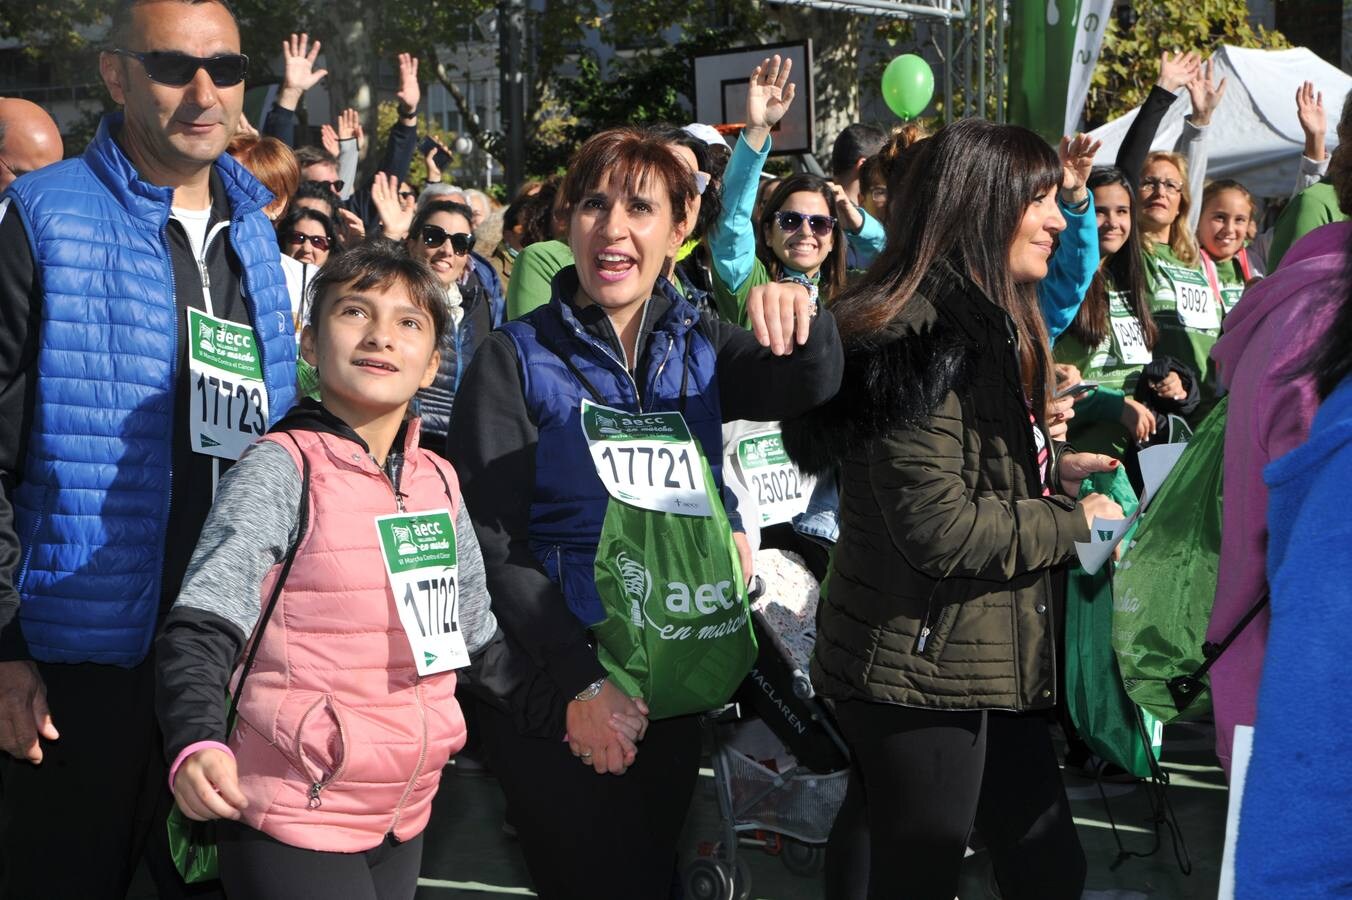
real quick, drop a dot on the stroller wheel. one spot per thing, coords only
(709, 879)
(741, 888)
(803, 860)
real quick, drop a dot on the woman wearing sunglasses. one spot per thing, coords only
(307, 237)
(803, 225)
(440, 235)
(600, 814)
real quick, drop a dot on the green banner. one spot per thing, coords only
(1054, 46)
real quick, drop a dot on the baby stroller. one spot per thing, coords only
(780, 765)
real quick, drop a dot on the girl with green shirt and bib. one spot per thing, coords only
(1227, 210)
(1113, 334)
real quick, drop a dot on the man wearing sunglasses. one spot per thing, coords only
(146, 340)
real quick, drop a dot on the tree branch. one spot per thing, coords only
(490, 141)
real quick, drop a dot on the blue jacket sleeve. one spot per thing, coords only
(1071, 270)
(281, 124)
(733, 239)
(870, 240)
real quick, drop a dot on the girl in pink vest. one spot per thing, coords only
(348, 710)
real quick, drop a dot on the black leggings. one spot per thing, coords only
(255, 866)
(599, 837)
(929, 776)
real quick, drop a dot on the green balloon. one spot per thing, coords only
(908, 85)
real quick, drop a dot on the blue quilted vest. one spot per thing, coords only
(569, 503)
(92, 505)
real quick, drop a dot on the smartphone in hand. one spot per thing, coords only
(1076, 390)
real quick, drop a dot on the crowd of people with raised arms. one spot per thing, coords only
(310, 482)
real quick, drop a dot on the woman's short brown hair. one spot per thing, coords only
(627, 157)
(270, 161)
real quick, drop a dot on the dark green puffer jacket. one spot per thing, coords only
(944, 590)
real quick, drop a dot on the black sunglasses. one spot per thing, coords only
(296, 239)
(790, 221)
(336, 186)
(178, 69)
(435, 236)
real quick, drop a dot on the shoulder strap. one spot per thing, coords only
(1185, 688)
(304, 522)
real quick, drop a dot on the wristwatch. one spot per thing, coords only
(591, 691)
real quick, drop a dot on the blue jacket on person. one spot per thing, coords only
(1071, 269)
(1297, 808)
(561, 364)
(492, 285)
(92, 505)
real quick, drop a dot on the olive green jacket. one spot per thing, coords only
(947, 579)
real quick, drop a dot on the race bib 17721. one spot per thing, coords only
(420, 563)
(648, 460)
(228, 408)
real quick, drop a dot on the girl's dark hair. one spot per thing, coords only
(379, 265)
(960, 202)
(1125, 266)
(834, 267)
(884, 167)
(432, 207)
(711, 201)
(1330, 363)
(305, 214)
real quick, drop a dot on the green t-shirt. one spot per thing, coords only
(1231, 278)
(533, 276)
(731, 305)
(1188, 315)
(1315, 206)
(1115, 364)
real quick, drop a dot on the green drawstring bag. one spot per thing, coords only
(677, 627)
(1113, 727)
(1165, 586)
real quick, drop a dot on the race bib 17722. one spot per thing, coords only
(228, 408)
(420, 563)
(648, 460)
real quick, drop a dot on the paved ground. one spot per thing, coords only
(468, 856)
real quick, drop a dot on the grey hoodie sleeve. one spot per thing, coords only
(477, 622)
(252, 523)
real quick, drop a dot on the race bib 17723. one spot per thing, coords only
(228, 408)
(420, 563)
(648, 460)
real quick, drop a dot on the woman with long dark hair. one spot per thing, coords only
(937, 636)
(1113, 333)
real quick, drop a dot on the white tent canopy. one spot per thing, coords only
(1254, 137)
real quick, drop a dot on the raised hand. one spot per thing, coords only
(848, 214)
(1313, 120)
(351, 229)
(1206, 94)
(769, 94)
(300, 74)
(395, 219)
(1077, 160)
(349, 124)
(409, 93)
(1177, 69)
(329, 138)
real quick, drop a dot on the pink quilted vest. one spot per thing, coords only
(338, 741)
